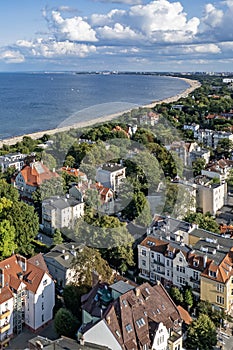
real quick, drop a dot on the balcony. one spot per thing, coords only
(5, 314)
(4, 341)
(5, 327)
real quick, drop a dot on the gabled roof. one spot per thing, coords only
(131, 316)
(36, 173)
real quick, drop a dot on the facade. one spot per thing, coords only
(59, 262)
(205, 262)
(27, 295)
(210, 197)
(15, 160)
(218, 169)
(60, 212)
(30, 178)
(210, 138)
(110, 175)
(143, 317)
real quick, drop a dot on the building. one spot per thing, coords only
(210, 138)
(60, 263)
(219, 169)
(144, 317)
(27, 295)
(61, 212)
(75, 172)
(210, 196)
(110, 175)
(15, 160)
(30, 177)
(205, 262)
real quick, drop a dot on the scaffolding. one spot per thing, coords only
(18, 314)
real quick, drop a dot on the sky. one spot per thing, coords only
(121, 35)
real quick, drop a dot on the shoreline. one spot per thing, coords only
(194, 84)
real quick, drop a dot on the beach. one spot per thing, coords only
(194, 84)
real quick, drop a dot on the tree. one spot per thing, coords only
(52, 187)
(8, 191)
(224, 147)
(87, 261)
(57, 237)
(7, 231)
(66, 323)
(49, 160)
(72, 298)
(204, 221)
(26, 223)
(188, 298)
(198, 165)
(176, 295)
(201, 334)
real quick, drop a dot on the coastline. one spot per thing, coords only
(194, 84)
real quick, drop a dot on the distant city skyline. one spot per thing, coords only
(121, 35)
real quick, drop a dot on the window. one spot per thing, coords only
(42, 318)
(128, 328)
(168, 273)
(144, 252)
(143, 262)
(220, 299)
(42, 306)
(195, 275)
(180, 259)
(42, 295)
(118, 334)
(158, 257)
(212, 274)
(140, 322)
(45, 282)
(220, 288)
(180, 269)
(152, 255)
(168, 262)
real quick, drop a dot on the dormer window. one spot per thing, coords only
(128, 328)
(195, 263)
(212, 274)
(140, 322)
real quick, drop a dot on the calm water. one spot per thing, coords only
(31, 102)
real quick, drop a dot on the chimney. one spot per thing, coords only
(204, 260)
(137, 291)
(82, 341)
(22, 261)
(108, 319)
(95, 278)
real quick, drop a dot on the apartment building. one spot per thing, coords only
(219, 169)
(27, 295)
(61, 211)
(210, 138)
(143, 317)
(15, 160)
(205, 262)
(110, 175)
(60, 263)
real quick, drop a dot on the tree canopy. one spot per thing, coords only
(201, 334)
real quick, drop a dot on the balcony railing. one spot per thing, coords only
(5, 327)
(5, 341)
(5, 314)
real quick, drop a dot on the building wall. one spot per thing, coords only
(180, 270)
(160, 341)
(210, 290)
(101, 335)
(6, 318)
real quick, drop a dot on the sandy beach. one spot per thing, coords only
(194, 84)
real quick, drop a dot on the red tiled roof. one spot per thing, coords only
(184, 315)
(33, 177)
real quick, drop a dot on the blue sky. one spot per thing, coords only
(143, 35)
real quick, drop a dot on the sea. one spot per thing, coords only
(32, 102)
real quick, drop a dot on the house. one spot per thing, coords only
(30, 177)
(60, 262)
(15, 160)
(151, 118)
(75, 172)
(144, 317)
(210, 196)
(219, 169)
(110, 175)
(61, 212)
(210, 138)
(27, 295)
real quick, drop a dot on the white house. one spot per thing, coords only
(61, 211)
(15, 160)
(110, 175)
(27, 295)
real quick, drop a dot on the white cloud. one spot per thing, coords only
(160, 18)
(204, 48)
(118, 32)
(128, 2)
(74, 29)
(109, 18)
(12, 56)
(52, 48)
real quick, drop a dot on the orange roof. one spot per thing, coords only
(5, 294)
(73, 171)
(184, 315)
(36, 173)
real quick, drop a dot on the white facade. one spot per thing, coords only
(211, 198)
(161, 338)
(110, 175)
(15, 160)
(39, 305)
(100, 334)
(61, 212)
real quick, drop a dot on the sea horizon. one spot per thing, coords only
(36, 101)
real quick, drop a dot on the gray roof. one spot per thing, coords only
(112, 167)
(63, 253)
(121, 287)
(212, 244)
(64, 343)
(61, 202)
